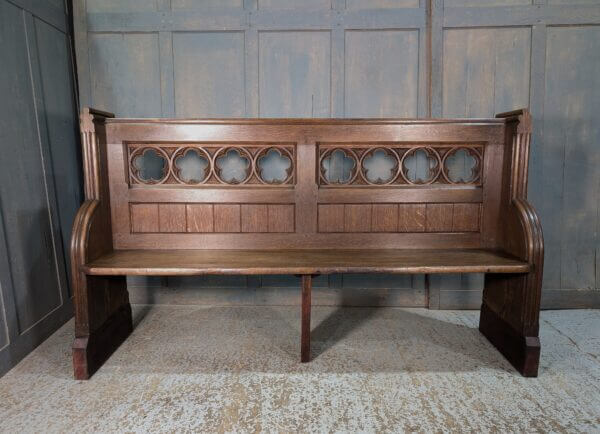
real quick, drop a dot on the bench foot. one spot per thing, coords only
(510, 319)
(306, 307)
(523, 352)
(103, 322)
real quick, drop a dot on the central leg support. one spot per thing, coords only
(306, 307)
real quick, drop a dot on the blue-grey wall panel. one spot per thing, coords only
(484, 3)
(571, 157)
(209, 74)
(294, 74)
(63, 129)
(294, 4)
(200, 4)
(379, 83)
(134, 59)
(485, 71)
(381, 4)
(121, 6)
(23, 190)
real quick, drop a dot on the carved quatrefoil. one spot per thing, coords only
(421, 165)
(233, 166)
(379, 166)
(150, 166)
(191, 166)
(338, 167)
(274, 167)
(461, 166)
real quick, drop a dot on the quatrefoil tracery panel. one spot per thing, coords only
(400, 164)
(265, 164)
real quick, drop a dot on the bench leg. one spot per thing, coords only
(306, 306)
(510, 319)
(102, 321)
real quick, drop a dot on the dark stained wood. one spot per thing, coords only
(331, 218)
(171, 217)
(465, 217)
(102, 310)
(227, 218)
(304, 261)
(384, 218)
(439, 217)
(305, 224)
(306, 308)
(412, 218)
(255, 218)
(144, 217)
(199, 218)
(281, 218)
(357, 218)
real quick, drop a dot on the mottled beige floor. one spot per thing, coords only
(235, 369)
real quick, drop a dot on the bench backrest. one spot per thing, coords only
(288, 184)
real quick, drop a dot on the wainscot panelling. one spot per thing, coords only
(209, 74)
(40, 173)
(368, 58)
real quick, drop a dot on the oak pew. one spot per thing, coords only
(173, 197)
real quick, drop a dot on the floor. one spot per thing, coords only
(236, 369)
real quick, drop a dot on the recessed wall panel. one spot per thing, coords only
(571, 179)
(381, 73)
(209, 74)
(125, 73)
(201, 4)
(485, 71)
(294, 74)
(381, 4)
(294, 4)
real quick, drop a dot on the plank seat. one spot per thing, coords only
(308, 261)
(182, 197)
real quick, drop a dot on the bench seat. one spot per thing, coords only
(323, 261)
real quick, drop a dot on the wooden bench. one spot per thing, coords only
(169, 197)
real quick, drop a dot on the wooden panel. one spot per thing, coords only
(294, 4)
(384, 218)
(281, 218)
(381, 75)
(485, 71)
(30, 220)
(227, 218)
(133, 58)
(465, 217)
(171, 217)
(411, 218)
(195, 4)
(381, 4)
(439, 217)
(357, 218)
(113, 6)
(294, 74)
(199, 218)
(571, 2)
(331, 218)
(209, 74)
(144, 217)
(58, 90)
(484, 3)
(197, 262)
(255, 218)
(571, 183)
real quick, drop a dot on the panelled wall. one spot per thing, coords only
(40, 175)
(372, 58)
